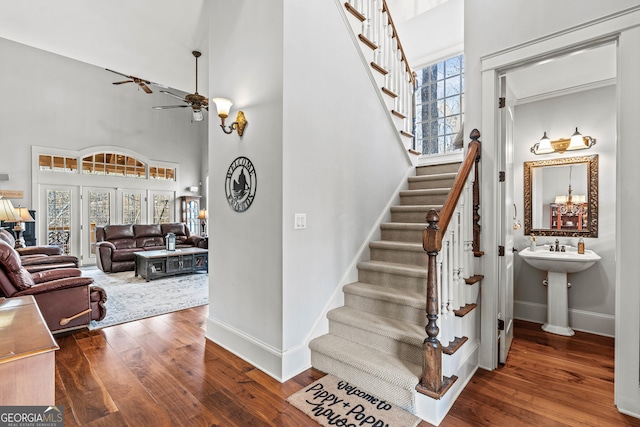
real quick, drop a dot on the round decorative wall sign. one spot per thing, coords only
(240, 185)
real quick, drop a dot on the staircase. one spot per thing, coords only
(375, 340)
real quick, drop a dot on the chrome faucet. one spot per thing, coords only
(557, 245)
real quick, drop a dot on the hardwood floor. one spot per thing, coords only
(163, 372)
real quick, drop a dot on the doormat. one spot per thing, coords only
(331, 402)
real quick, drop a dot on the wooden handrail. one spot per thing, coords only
(473, 156)
(395, 34)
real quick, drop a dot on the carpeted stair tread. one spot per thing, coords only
(400, 373)
(433, 177)
(394, 268)
(398, 246)
(415, 208)
(425, 192)
(398, 330)
(396, 296)
(403, 226)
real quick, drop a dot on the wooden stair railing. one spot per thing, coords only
(431, 381)
(379, 33)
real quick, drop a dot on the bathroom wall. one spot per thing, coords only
(592, 297)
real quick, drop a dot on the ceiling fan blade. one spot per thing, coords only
(145, 87)
(123, 75)
(174, 95)
(166, 107)
(124, 81)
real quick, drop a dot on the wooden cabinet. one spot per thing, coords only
(27, 355)
(189, 209)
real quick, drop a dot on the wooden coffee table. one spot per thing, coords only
(155, 264)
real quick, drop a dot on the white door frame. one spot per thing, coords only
(625, 29)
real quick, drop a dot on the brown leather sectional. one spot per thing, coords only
(66, 299)
(116, 244)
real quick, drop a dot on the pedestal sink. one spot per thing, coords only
(557, 264)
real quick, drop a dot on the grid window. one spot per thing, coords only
(439, 105)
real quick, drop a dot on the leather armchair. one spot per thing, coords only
(66, 299)
(40, 258)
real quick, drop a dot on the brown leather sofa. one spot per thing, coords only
(66, 299)
(40, 258)
(116, 244)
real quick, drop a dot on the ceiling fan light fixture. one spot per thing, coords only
(197, 115)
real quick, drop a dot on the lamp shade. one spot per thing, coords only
(223, 105)
(577, 141)
(544, 146)
(8, 212)
(202, 214)
(24, 214)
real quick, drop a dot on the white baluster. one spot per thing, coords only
(456, 262)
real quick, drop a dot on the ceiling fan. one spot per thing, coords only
(196, 101)
(137, 80)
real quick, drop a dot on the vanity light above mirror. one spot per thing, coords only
(576, 142)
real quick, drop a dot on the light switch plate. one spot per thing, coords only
(300, 221)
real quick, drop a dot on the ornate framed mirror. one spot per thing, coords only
(561, 197)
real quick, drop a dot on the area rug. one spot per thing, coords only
(331, 402)
(132, 298)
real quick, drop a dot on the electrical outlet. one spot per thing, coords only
(300, 221)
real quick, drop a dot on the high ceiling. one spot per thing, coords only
(151, 39)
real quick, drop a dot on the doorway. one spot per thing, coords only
(545, 94)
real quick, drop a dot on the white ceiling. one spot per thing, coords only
(150, 39)
(573, 72)
(153, 40)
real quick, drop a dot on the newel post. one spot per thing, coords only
(431, 379)
(475, 135)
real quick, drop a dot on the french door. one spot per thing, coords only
(98, 209)
(60, 214)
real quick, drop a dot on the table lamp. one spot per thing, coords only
(19, 228)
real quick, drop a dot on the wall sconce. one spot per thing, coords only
(202, 216)
(576, 142)
(224, 105)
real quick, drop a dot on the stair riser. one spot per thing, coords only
(392, 280)
(386, 308)
(436, 169)
(430, 184)
(383, 390)
(400, 235)
(427, 199)
(399, 256)
(401, 350)
(419, 217)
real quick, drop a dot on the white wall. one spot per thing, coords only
(52, 101)
(593, 293)
(322, 145)
(434, 35)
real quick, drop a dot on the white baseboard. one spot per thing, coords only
(579, 320)
(281, 365)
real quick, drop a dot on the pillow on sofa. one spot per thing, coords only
(113, 232)
(12, 266)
